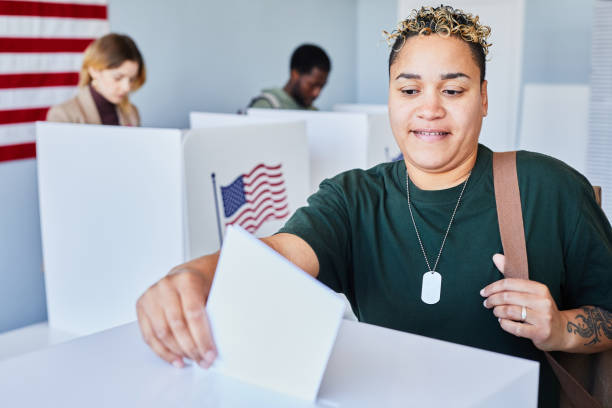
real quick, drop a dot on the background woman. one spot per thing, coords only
(112, 68)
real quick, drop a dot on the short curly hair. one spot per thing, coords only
(445, 21)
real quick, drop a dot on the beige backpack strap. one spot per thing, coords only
(268, 97)
(510, 219)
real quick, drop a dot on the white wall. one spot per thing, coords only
(214, 56)
(372, 50)
(556, 43)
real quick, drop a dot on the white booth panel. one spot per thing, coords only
(22, 291)
(369, 366)
(555, 122)
(340, 141)
(111, 207)
(261, 176)
(336, 141)
(381, 143)
(210, 119)
(360, 107)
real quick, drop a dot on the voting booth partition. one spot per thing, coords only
(22, 292)
(378, 116)
(340, 141)
(120, 206)
(111, 209)
(360, 107)
(301, 328)
(212, 119)
(369, 366)
(243, 172)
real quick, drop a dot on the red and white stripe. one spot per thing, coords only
(266, 198)
(41, 51)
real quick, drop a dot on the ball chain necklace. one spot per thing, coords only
(432, 280)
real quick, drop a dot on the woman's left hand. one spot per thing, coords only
(526, 309)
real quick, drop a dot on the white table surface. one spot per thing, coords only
(370, 366)
(26, 339)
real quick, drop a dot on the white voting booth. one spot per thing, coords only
(342, 363)
(380, 116)
(369, 367)
(360, 107)
(111, 204)
(340, 141)
(120, 206)
(209, 119)
(235, 158)
(22, 289)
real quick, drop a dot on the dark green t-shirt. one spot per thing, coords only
(359, 226)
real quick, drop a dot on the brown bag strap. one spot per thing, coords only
(510, 215)
(597, 191)
(510, 218)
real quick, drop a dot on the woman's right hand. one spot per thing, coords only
(173, 320)
(172, 313)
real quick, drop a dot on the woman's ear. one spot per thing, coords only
(93, 73)
(485, 98)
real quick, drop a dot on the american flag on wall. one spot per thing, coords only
(253, 198)
(41, 50)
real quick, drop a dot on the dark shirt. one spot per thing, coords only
(360, 229)
(106, 109)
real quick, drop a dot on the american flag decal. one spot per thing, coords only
(253, 198)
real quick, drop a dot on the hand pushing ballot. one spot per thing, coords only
(273, 324)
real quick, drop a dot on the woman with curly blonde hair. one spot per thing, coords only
(112, 68)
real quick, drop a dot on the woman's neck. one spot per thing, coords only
(429, 180)
(98, 97)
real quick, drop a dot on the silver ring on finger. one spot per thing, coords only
(523, 314)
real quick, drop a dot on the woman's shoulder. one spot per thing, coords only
(544, 169)
(367, 183)
(69, 111)
(64, 112)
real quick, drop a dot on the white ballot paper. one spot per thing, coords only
(273, 324)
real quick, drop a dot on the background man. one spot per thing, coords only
(308, 73)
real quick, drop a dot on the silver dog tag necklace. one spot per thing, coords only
(432, 280)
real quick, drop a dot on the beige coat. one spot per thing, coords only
(82, 109)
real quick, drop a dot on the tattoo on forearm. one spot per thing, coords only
(596, 322)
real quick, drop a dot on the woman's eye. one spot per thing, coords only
(410, 91)
(452, 92)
